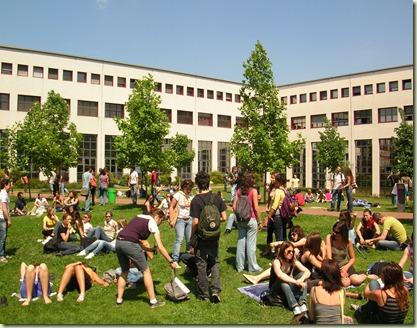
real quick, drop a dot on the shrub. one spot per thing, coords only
(165, 179)
(216, 177)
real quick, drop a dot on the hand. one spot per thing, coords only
(300, 283)
(172, 223)
(361, 241)
(174, 265)
(9, 223)
(343, 272)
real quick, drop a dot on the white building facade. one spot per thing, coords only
(363, 105)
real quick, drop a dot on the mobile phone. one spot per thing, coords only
(380, 282)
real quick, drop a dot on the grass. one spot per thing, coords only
(99, 306)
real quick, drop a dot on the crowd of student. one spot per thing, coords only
(303, 263)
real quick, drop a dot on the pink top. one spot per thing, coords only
(327, 197)
(300, 199)
(250, 195)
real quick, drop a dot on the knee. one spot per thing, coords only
(30, 268)
(43, 267)
(285, 287)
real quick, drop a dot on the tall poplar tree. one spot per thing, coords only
(404, 147)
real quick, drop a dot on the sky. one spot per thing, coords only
(305, 39)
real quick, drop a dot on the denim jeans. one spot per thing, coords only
(68, 248)
(103, 195)
(207, 259)
(3, 235)
(88, 200)
(230, 220)
(246, 246)
(182, 229)
(99, 233)
(392, 245)
(98, 245)
(134, 193)
(293, 294)
(336, 199)
(278, 227)
(349, 198)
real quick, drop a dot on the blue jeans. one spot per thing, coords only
(349, 198)
(3, 235)
(336, 199)
(246, 246)
(182, 229)
(88, 201)
(98, 245)
(230, 220)
(276, 227)
(293, 294)
(103, 195)
(392, 245)
(99, 233)
(134, 193)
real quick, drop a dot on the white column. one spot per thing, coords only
(375, 167)
(308, 165)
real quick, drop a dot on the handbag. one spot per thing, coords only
(346, 320)
(176, 290)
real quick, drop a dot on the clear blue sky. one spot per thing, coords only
(305, 39)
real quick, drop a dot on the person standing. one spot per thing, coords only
(337, 182)
(394, 179)
(295, 183)
(349, 184)
(233, 182)
(5, 220)
(93, 186)
(86, 188)
(206, 250)
(52, 181)
(128, 249)
(276, 225)
(133, 185)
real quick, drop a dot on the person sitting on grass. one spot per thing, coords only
(285, 283)
(320, 197)
(66, 234)
(34, 282)
(40, 206)
(313, 257)
(408, 254)
(87, 226)
(58, 202)
(309, 197)
(327, 196)
(108, 232)
(299, 198)
(50, 220)
(367, 229)
(387, 298)
(78, 276)
(393, 236)
(349, 218)
(20, 205)
(71, 202)
(297, 239)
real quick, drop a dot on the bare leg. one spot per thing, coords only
(148, 282)
(256, 279)
(121, 284)
(44, 279)
(30, 281)
(23, 267)
(66, 277)
(357, 279)
(80, 275)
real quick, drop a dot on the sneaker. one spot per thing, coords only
(89, 256)
(227, 231)
(3, 259)
(81, 298)
(46, 240)
(303, 308)
(59, 297)
(157, 304)
(82, 253)
(215, 298)
(296, 310)
(354, 306)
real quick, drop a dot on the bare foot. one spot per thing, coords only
(47, 300)
(26, 303)
(250, 278)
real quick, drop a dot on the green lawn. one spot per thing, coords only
(99, 306)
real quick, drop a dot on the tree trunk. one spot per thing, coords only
(264, 199)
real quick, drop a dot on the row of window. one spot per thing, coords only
(385, 115)
(368, 89)
(109, 80)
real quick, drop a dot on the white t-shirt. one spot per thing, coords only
(87, 226)
(134, 178)
(152, 225)
(338, 179)
(4, 198)
(184, 203)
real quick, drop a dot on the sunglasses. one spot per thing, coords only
(108, 216)
(289, 251)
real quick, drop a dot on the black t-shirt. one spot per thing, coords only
(200, 200)
(61, 229)
(20, 203)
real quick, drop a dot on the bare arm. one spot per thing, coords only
(163, 251)
(306, 272)
(352, 257)
(256, 204)
(328, 248)
(172, 216)
(404, 258)
(359, 233)
(276, 266)
(383, 236)
(6, 215)
(374, 295)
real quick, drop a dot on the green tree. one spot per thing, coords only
(178, 154)
(144, 129)
(45, 140)
(331, 148)
(261, 144)
(403, 147)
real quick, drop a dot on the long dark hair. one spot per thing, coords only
(332, 279)
(340, 227)
(280, 251)
(313, 243)
(248, 181)
(392, 276)
(298, 230)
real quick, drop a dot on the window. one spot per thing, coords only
(22, 70)
(210, 94)
(190, 91)
(363, 116)
(184, 117)
(317, 121)
(409, 113)
(345, 92)
(298, 169)
(169, 88)
(224, 121)
(4, 101)
(284, 100)
(25, 103)
(88, 154)
(356, 91)
(313, 96)
(387, 114)
(334, 94)
(386, 161)
(380, 87)
(407, 84)
(205, 119)
(340, 119)
(158, 86)
(323, 95)
(318, 171)
(82, 77)
(53, 73)
(67, 75)
(180, 90)
(298, 123)
(168, 113)
(219, 95)
(121, 82)
(87, 108)
(393, 86)
(204, 156)
(237, 98)
(110, 157)
(228, 96)
(185, 171)
(200, 93)
(132, 83)
(223, 157)
(369, 89)
(95, 78)
(303, 98)
(293, 99)
(38, 72)
(363, 154)
(114, 110)
(6, 68)
(240, 121)
(108, 80)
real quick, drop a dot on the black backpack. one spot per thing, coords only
(209, 221)
(243, 208)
